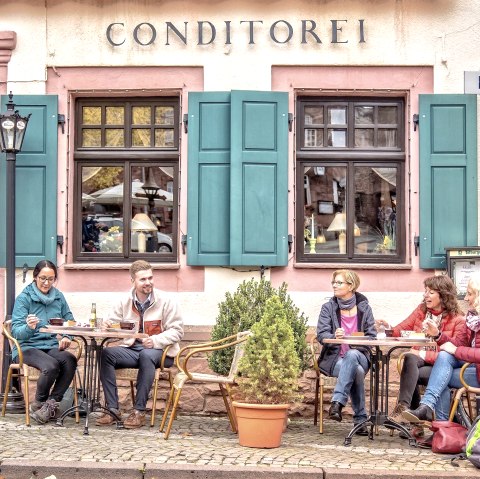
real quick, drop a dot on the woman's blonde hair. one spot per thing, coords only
(474, 285)
(350, 276)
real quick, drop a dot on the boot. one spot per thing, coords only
(422, 414)
(47, 412)
(335, 411)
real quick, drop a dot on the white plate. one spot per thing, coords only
(361, 338)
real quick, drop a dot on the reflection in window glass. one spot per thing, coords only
(141, 115)
(376, 210)
(92, 115)
(337, 115)
(91, 137)
(325, 228)
(364, 137)
(364, 115)
(313, 137)
(164, 115)
(152, 210)
(337, 138)
(102, 209)
(164, 138)
(313, 115)
(114, 137)
(141, 137)
(387, 115)
(114, 115)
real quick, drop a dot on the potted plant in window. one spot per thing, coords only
(267, 380)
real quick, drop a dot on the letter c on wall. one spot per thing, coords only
(109, 34)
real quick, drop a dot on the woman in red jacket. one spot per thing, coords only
(454, 353)
(438, 315)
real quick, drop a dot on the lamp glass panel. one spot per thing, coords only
(102, 209)
(376, 210)
(325, 208)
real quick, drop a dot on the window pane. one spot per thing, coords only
(152, 210)
(387, 137)
(114, 137)
(102, 209)
(337, 138)
(141, 115)
(141, 137)
(313, 115)
(325, 209)
(313, 137)
(387, 115)
(337, 115)
(364, 137)
(92, 115)
(92, 137)
(115, 115)
(164, 138)
(364, 115)
(164, 115)
(375, 210)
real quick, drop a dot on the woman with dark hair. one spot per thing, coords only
(34, 306)
(348, 312)
(439, 314)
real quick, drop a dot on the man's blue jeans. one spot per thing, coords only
(446, 375)
(350, 373)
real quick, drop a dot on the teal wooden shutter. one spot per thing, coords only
(259, 179)
(448, 175)
(237, 178)
(36, 183)
(208, 179)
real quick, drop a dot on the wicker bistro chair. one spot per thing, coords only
(465, 390)
(224, 382)
(29, 373)
(321, 381)
(161, 373)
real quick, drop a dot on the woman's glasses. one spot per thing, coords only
(44, 279)
(339, 283)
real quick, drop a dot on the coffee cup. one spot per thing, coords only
(127, 325)
(389, 333)
(56, 321)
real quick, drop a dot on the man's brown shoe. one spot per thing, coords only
(136, 419)
(397, 412)
(106, 419)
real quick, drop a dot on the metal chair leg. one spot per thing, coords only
(167, 408)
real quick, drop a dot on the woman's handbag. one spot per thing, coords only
(448, 437)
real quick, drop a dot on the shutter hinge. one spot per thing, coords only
(61, 121)
(60, 243)
(184, 243)
(290, 242)
(290, 121)
(416, 243)
(24, 271)
(415, 121)
(185, 122)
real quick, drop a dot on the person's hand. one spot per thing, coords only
(449, 347)
(32, 321)
(64, 344)
(339, 333)
(430, 328)
(148, 343)
(107, 323)
(382, 322)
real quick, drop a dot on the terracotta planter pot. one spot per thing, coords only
(260, 425)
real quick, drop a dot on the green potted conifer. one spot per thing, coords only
(267, 380)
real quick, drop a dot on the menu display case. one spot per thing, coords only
(462, 262)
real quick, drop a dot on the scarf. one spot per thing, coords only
(45, 299)
(347, 304)
(473, 320)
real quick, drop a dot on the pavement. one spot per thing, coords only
(203, 447)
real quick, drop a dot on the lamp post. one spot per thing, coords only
(12, 133)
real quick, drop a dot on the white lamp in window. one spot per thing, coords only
(339, 224)
(142, 224)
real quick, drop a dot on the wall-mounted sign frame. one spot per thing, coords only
(462, 262)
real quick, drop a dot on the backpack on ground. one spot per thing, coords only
(472, 449)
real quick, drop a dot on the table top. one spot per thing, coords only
(93, 333)
(391, 342)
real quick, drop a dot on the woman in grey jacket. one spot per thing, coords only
(34, 306)
(346, 313)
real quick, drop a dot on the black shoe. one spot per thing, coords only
(362, 431)
(335, 411)
(422, 414)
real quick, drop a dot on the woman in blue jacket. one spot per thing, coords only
(346, 313)
(34, 306)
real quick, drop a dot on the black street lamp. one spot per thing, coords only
(12, 133)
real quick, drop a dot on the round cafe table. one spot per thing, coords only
(94, 341)
(379, 375)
